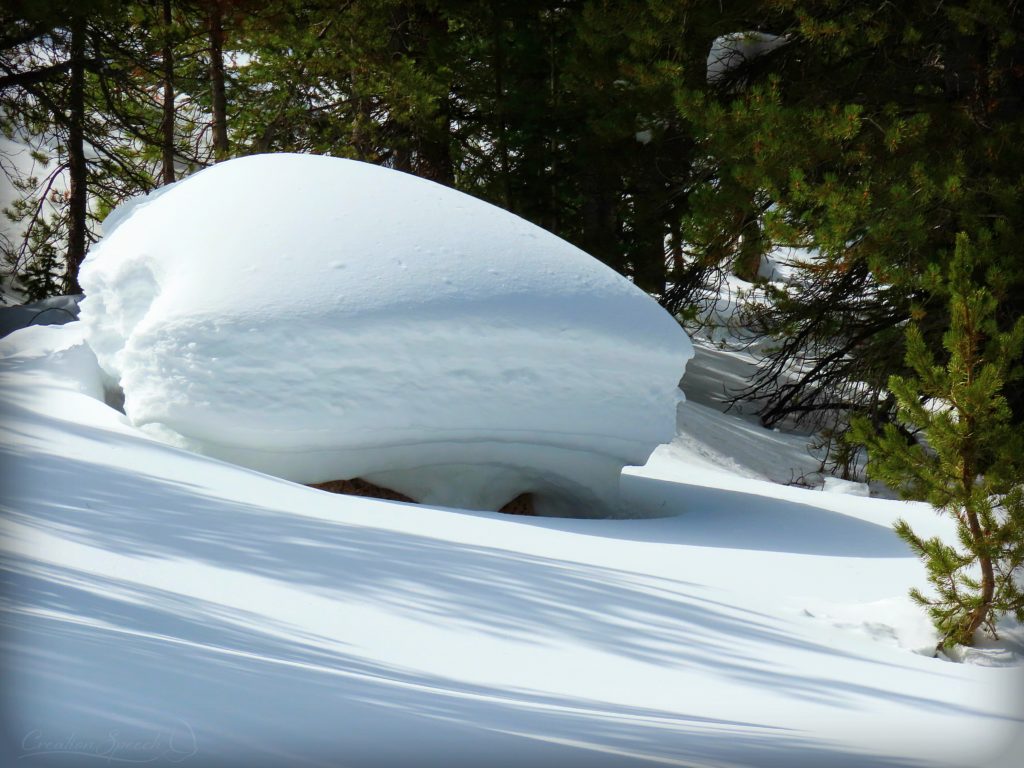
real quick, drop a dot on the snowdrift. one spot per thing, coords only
(55, 310)
(165, 609)
(320, 319)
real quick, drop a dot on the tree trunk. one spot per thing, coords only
(978, 536)
(969, 471)
(747, 264)
(416, 35)
(988, 581)
(554, 204)
(167, 125)
(77, 191)
(648, 247)
(218, 98)
(601, 237)
(435, 150)
(500, 119)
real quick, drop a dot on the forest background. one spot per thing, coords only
(677, 141)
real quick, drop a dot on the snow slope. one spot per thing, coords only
(167, 607)
(322, 319)
(55, 310)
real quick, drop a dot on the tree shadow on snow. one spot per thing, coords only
(700, 516)
(120, 651)
(144, 661)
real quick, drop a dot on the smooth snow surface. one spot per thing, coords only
(165, 608)
(319, 319)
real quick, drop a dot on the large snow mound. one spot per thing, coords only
(319, 319)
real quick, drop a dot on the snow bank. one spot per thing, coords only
(55, 310)
(320, 319)
(736, 49)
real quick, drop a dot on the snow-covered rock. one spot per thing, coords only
(318, 319)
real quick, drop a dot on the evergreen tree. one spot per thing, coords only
(105, 92)
(42, 91)
(875, 133)
(366, 80)
(964, 455)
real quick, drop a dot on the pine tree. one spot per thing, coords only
(955, 447)
(104, 93)
(40, 53)
(877, 132)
